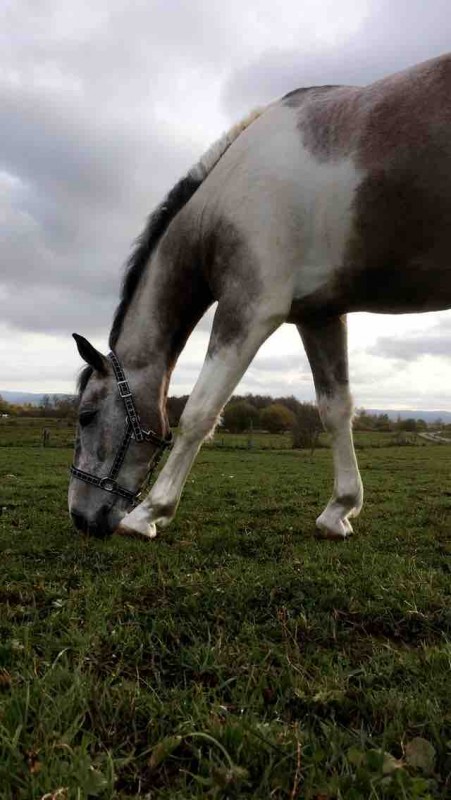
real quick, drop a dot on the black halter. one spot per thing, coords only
(133, 430)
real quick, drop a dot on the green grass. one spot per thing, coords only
(235, 656)
(28, 432)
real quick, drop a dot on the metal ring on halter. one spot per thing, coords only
(108, 484)
(133, 430)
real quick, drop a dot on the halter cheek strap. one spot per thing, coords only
(133, 430)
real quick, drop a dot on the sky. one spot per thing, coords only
(105, 104)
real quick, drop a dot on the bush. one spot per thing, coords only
(307, 427)
(277, 418)
(240, 416)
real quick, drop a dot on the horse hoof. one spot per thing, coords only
(327, 533)
(339, 532)
(140, 536)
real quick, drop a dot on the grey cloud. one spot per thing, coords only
(81, 191)
(282, 363)
(435, 341)
(393, 36)
(72, 310)
(84, 151)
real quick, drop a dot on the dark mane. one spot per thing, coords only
(157, 224)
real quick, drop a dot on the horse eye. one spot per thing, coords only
(86, 417)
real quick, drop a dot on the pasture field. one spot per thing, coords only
(235, 656)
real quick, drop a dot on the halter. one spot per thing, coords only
(133, 430)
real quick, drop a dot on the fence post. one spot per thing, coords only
(250, 441)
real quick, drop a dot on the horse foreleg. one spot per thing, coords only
(325, 343)
(227, 360)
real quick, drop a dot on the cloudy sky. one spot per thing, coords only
(105, 103)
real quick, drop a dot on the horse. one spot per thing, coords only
(331, 200)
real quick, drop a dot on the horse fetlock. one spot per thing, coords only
(162, 504)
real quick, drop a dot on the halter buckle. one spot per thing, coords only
(124, 389)
(108, 484)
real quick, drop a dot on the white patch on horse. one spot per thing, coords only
(295, 210)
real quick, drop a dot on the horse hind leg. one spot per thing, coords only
(325, 343)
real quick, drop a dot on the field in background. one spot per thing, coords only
(235, 656)
(28, 432)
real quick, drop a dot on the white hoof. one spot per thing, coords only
(333, 529)
(141, 532)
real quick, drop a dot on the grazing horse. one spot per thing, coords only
(330, 200)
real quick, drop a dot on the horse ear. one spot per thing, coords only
(89, 354)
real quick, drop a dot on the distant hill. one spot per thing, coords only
(409, 413)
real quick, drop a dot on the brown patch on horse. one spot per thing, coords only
(397, 131)
(233, 274)
(325, 343)
(179, 294)
(326, 119)
(371, 122)
(399, 251)
(182, 293)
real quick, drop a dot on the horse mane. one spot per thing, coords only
(159, 220)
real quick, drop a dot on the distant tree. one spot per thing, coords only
(363, 421)
(259, 401)
(409, 425)
(437, 424)
(307, 427)
(239, 416)
(45, 405)
(382, 422)
(277, 418)
(65, 406)
(289, 402)
(4, 406)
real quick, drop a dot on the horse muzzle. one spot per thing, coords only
(101, 525)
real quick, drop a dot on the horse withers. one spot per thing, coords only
(331, 200)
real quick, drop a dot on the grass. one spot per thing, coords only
(235, 656)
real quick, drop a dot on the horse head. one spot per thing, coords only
(116, 449)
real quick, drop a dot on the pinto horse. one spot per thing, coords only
(330, 200)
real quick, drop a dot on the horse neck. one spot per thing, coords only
(170, 299)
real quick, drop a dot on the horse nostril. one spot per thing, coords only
(98, 526)
(79, 521)
(101, 526)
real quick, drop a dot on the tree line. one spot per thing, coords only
(243, 414)
(61, 406)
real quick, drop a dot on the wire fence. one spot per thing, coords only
(49, 432)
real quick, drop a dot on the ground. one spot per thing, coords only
(235, 656)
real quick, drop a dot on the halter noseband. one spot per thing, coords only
(133, 430)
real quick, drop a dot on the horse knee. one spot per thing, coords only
(336, 410)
